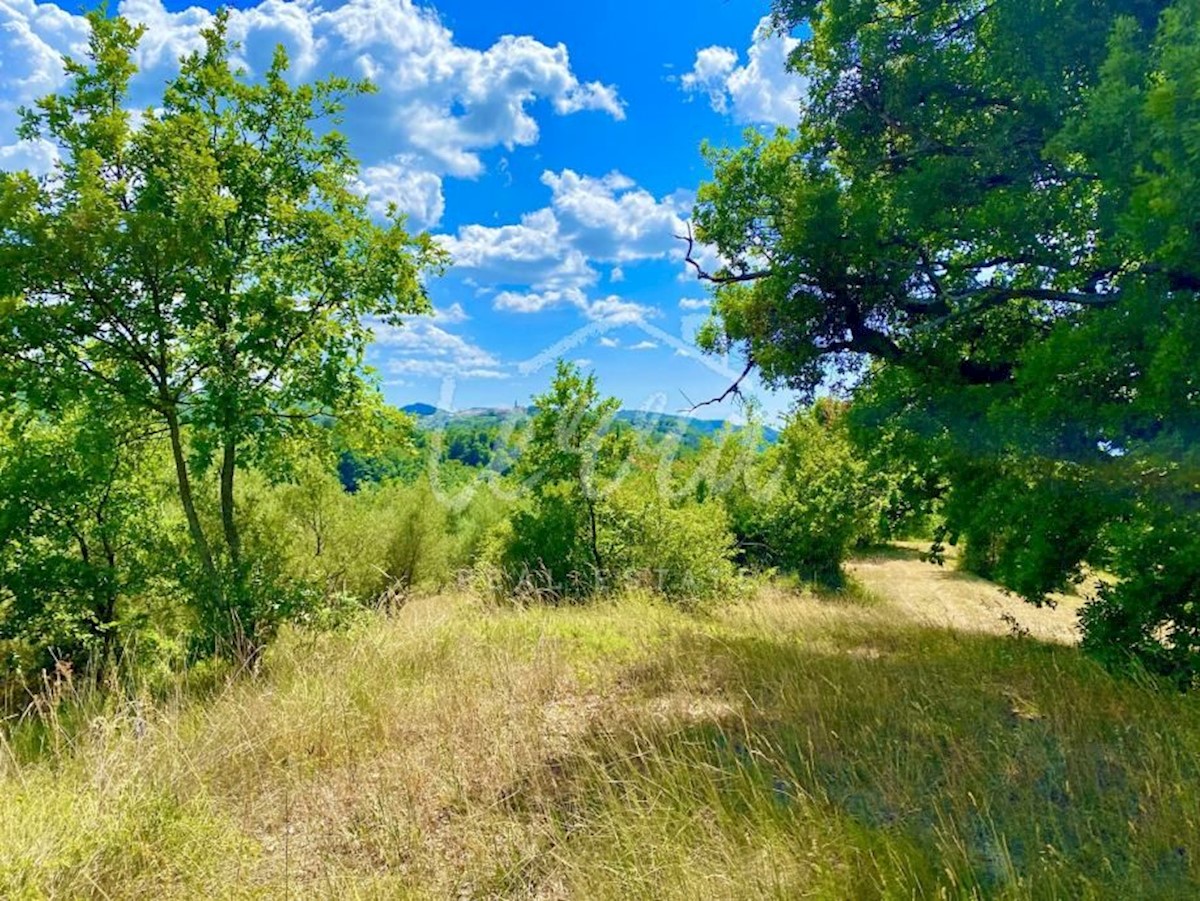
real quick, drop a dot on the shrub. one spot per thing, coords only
(420, 548)
(1151, 615)
(683, 551)
(542, 551)
(808, 501)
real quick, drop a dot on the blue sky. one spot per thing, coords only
(553, 147)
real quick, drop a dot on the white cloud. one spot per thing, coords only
(611, 219)
(551, 250)
(440, 104)
(33, 39)
(422, 348)
(690, 303)
(532, 256)
(411, 190)
(709, 74)
(550, 257)
(37, 156)
(644, 345)
(618, 311)
(612, 309)
(451, 315)
(534, 302)
(584, 363)
(169, 35)
(761, 92)
(606, 341)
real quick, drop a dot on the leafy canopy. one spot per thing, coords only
(208, 265)
(987, 220)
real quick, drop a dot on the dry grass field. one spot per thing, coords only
(895, 741)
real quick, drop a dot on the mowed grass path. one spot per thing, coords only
(783, 746)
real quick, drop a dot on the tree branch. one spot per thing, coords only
(690, 259)
(734, 390)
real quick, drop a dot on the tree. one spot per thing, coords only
(814, 498)
(986, 220)
(78, 537)
(211, 268)
(568, 462)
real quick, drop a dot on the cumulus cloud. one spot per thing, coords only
(709, 75)
(644, 345)
(37, 156)
(451, 315)
(691, 303)
(403, 185)
(612, 309)
(535, 302)
(440, 104)
(762, 91)
(603, 220)
(610, 218)
(532, 256)
(33, 39)
(551, 257)
(423, 348)
(619, 311)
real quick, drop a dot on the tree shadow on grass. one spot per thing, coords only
(971, 764)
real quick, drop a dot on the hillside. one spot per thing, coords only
(786, 745)
(689, 430)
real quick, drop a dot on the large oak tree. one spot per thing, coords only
(988, 222)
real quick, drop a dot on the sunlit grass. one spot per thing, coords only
(783, 746)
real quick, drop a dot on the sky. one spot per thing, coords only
(552, 148)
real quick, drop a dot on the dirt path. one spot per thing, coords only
(943, 596)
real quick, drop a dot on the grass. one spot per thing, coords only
(785, 746)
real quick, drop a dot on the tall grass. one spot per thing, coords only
(786, 746)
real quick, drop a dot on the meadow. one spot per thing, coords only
(857, 744)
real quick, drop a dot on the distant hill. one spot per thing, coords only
(689, 430)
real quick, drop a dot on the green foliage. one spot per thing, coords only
(682, 551)
(420, 549)
(545, 552)
(211, 270)
(1150, 617)
(809, 499)
(567, 463)
(81, 545)
(1027, 525)
(987, 212)
(594, 515)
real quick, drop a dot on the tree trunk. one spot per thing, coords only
(187, 498)
(233, 539)
(107, 608)
(595, 541)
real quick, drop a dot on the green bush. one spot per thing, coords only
(1150, 616)
(1025, 525)
(682, 551)
(542, 552)
(420, 548)
(809, 499)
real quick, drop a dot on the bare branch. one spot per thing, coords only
(734, 390)
(690, 259)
